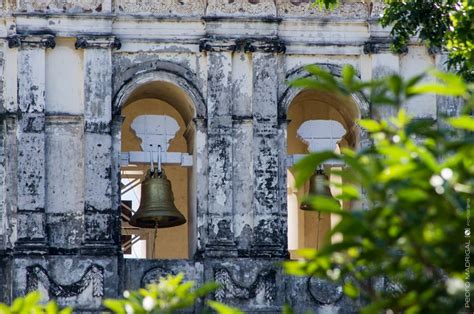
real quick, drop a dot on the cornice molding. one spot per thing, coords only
(98, 42)
(272, 45)
(31, 41)
(375, 46)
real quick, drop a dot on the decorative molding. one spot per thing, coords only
(110, 42)
(37, 277)
(182, 7)
(375, 46)
(272, 45)
(306, 8)
(217, 45)
(241, 7)
(33, 41)
(14, 41)
(84, 6)
(323, 292)
(264, 284)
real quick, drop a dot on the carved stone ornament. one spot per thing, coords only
(85, 6)
(264, 286)
(241, 7)
(35, 41)
(323, 292)
(306, 8)
(14, 41)
(37, 278)
(98, 43)
(272, 45)
(176, 7)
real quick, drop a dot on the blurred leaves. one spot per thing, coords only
(169, 295)
(417, 182)
(439, 24)
(31, 304)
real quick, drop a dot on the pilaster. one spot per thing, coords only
(383, 63)
(101, 216)
(269, 222)
(220, 212)
(30, 136)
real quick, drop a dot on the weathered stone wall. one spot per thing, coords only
(70, 66)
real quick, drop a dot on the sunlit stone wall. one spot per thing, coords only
(68, 68)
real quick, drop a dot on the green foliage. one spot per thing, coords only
(167, 296)
(30, 304)
(438, 23)
(327, 4)
(418, 184)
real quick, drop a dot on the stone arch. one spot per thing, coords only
(127, 81)
(300, 105)
(173, 86)
(289, 93)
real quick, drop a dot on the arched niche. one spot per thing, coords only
(307, 228)
(161, 93)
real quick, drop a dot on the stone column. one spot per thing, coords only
(30, 142)
(101, 208)
(220, 230)
(383, 63)
(269, 230)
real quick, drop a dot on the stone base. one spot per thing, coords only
(255, 285)
(81, 282)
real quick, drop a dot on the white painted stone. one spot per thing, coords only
(414, 63)
(64, 64)
(154, 131)
(321, 135)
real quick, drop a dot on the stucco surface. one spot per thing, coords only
(69, 70)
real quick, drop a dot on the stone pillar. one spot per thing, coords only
(383, 63)
(269, 228)
(30, 143)
(245, 216)
(101, 208)
(201, 165)
(221, 239)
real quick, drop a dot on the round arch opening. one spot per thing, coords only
(316, 119)
(151, 101)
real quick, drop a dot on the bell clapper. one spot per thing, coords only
(154, 240)
(159, 159)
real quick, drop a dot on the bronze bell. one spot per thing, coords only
(317, 187)
(157, 209)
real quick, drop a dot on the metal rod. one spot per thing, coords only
(131, 188)
(130, 243)
(159, 158)
(151, 161)
(154, 241)
(132, 181)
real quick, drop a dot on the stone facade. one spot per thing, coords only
(68, 69)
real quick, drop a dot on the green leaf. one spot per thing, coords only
(115, 306)
(462, 122)
(223, 309)
(323, 204)
(396, 172)
(450, 85)
(306, 166)
(412, 195)
(4, 309)
(370, 125)
(287, 309)
(350, 290)
(348, 193)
